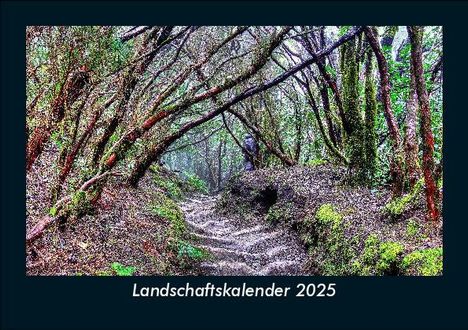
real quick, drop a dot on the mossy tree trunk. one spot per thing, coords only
(354, 147)
(416, 34)
(370, 136)
(396, 163)
(413, 171)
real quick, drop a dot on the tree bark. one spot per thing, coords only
(416, 34)
(413, 171)
(396, 163)
(369, 123)
(71, 89)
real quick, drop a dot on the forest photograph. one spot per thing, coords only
(234, 150)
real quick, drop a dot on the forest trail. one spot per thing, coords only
(241, 246)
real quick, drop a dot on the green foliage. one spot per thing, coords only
(316, 162)
(122, 270)
(113, 139)
(56, 138)
(121, 52)
(371, 249)
(187, 254)
(326, 214)
(331, 248)
(399, 205)
(278, 213)
(426, 262)
(343, 29)
(412, 229)
(177, 234)
(330, 70)
(187, 250)
(364, 264)
(196, 183)
(389, 254)
(53, 211)
(169, 185)
(378, 258)
(166, 208)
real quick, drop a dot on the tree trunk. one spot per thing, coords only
(354, 146)
(416, 34)
(370, 115)
(413, 171)
(71, 89)
(396, 164)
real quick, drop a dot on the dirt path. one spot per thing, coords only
(241, 246)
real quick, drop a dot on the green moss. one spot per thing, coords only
(399, 205)
(370, 134)
(168, 182)
(426, 262)
(78, 206)
(166, 208)
(354, 146)
(332, 249)
(170, 187)
(378, 258)
(371, 249)
(389, 255)
(358, 268)
(176, 233)
(316, 162)
(412, 229)
(57, 139)
(78, 197)
(53, 211)
(326, 214)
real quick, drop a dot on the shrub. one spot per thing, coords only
(426, 262)
(378, 258)
(388, 259)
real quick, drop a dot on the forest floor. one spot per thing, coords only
(299, 220)
(240, 246)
